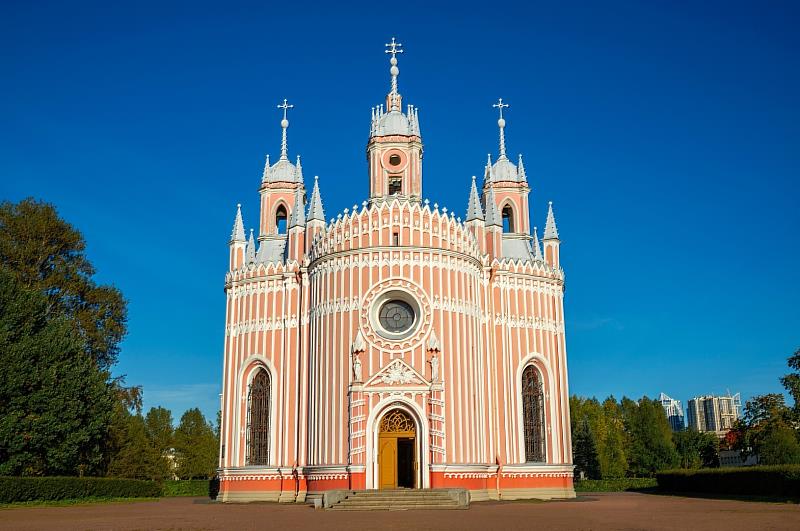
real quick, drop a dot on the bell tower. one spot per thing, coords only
(394, 151)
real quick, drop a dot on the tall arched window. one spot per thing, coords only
(280, 220)
(258, 421)
(533, 414)
(508, 219)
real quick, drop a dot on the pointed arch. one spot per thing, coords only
(259, 398)
(281, 218)
(509, 220)
(533, 417)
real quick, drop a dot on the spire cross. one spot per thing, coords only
(284, 125)
(502, 123)
(394, 48)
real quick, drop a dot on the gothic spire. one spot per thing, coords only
(284, 126)
(394, 48)
(237, 235)
(265, 175)
(550, 230)
(315, 211)
(250, 253)
(502, 124)
(298, 218)
(537, 248)
(521, 169)
(492, 214)
(474, 210)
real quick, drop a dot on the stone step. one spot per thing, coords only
(427, 507)
(397, 501)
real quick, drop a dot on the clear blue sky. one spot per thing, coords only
(666, 133)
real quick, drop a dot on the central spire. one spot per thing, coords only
(394, 48)
(284, 125)
(501, 123)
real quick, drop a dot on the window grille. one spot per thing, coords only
(258, 421)
(533, 414)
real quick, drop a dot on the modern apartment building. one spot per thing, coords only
(674, 411)
(713, 413)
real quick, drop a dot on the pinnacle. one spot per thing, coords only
(550, 230)
(474, 210)
(237, 235)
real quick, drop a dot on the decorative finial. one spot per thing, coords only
(502, 124)
(394, 48)
(284, 125)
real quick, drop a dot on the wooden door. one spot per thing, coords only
(387, 462)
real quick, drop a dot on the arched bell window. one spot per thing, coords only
(533, 414)
(508, 219)
(258, 419)
(280, 220)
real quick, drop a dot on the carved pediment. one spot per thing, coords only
(396, 372)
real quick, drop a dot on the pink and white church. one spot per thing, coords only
(395, 345)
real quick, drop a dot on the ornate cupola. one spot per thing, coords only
(394, 151)
(509, 184)
(280, 184)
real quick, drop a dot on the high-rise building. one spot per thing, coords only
(396, 345)
(713, 413)
(674, 411)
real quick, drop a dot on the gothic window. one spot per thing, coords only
(280, 220)
(395, 185)
(533, 414)
(258, 421)
(508, 219)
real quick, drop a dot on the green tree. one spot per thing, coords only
(585, 451)
(792, 380)
(650, 436)
(767, 430)
(196, 447)
(613, 458)
(160, 433)
(137, 457)
(778, 445)
(696, 449)
(55, 404)
(46, 254)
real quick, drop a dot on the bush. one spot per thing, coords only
(770, 481)
(20, 489)
(186, 487)
(613, 485)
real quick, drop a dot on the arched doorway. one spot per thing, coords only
(397, 451)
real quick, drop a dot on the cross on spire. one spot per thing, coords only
(394, 48)
(502, 124)
(284, 125)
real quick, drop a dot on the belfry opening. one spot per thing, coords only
(397, 451)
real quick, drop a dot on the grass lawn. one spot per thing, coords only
(614, 485)
(67, 503)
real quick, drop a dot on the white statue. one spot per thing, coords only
(434, 368)
(356, 368)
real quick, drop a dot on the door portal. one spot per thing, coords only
(397, 454)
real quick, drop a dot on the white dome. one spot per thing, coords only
(393, 123)
(504, 170)
(283, 171)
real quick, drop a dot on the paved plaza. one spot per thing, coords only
(593, 511)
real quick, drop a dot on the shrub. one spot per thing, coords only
(19, 489)
(186, 487)
(613, 485)
(770, 481)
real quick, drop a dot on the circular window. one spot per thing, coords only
(396, 316)
(394, 160)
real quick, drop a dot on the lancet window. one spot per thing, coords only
(258, 419)
(533, 414)
(508, 219)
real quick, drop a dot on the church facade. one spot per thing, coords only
(395, 345)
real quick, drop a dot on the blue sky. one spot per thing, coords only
(666, 134)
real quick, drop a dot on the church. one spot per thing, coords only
(395, 345)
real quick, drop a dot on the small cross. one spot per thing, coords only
(500, 105)
(394, 47)
(285, 106)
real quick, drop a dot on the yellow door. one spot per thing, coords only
(387, 462)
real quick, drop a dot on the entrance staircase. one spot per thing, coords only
(399, 500)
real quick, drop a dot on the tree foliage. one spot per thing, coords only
(696, 449)
(56, 405)
(196, 446)
(46, 254)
